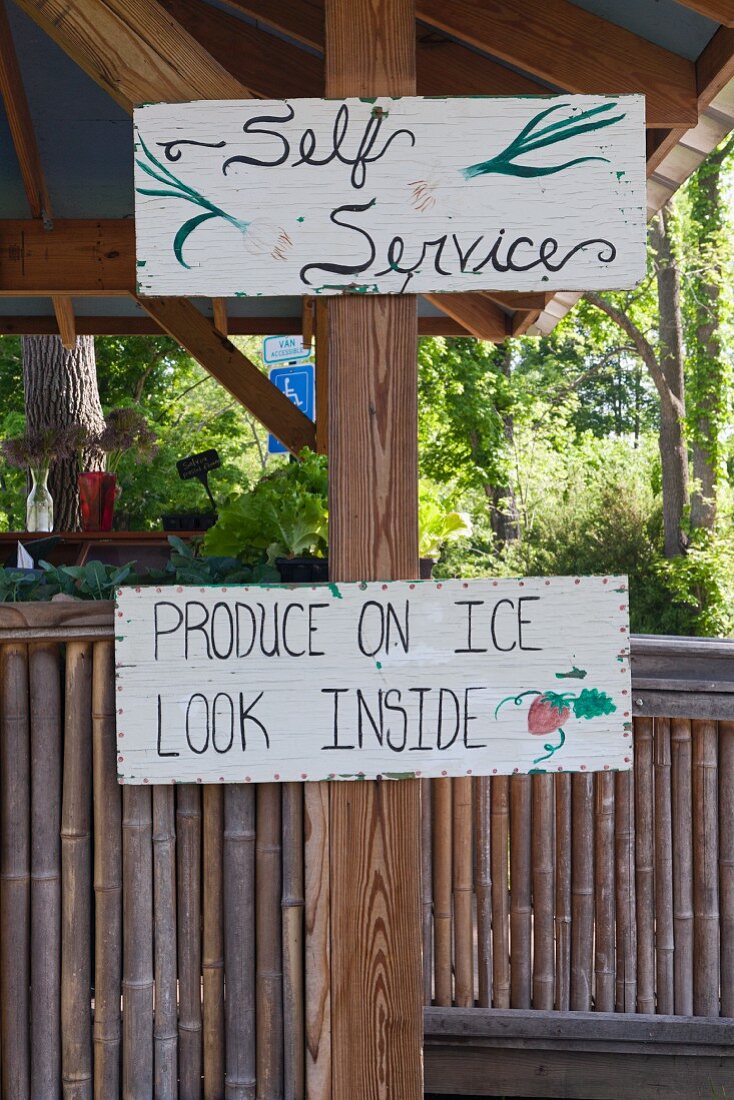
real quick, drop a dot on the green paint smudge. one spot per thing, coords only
(334, 589)
(574, 674)
(398, 775)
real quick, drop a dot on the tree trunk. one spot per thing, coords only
(503, 512)
(706, 359)
(673, 451)
(61, 391)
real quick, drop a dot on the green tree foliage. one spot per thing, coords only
(561, 434)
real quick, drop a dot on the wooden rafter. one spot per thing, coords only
(23, 135)
(715, 66)
(269, 66)
(233, 370)
(519, 299)
(135, 50)
(714, 70)
(97, 325)
(480, 316)
(574, 50)
(301, 20)
(21, 123)
(721, 11)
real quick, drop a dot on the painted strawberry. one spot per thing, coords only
(547, 713)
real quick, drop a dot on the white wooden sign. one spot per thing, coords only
(263, 684)
(389, 196)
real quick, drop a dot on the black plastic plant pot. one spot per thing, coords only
(188, 521)
(302, 570)
(426, 571)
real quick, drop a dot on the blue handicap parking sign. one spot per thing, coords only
(297, 383)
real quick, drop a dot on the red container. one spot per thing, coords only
(97, 492)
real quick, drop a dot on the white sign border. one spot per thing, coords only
(616, 587)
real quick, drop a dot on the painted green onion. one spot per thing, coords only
(531, 138)
(261, 236)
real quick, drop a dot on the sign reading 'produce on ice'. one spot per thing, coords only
(390, 196)
(348, 681)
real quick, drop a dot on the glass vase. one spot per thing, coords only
(97, 492)
(39, 512)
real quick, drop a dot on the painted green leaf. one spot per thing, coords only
(185, 232)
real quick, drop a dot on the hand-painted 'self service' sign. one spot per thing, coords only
(263, 684)
(390, 195)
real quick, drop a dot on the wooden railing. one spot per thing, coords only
(125, 913)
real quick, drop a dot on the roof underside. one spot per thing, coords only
(85, 138)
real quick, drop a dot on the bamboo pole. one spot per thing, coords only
(442, 799)
(107, 803)
(76, 876)
(726, 863)
(543, 890)
(624, 857)
(269, 944)
(604, 891)
(294, 1023)
(664, 944)
(426, 891)
(483, 872)
(239, 941)
(680, 745)
(500, 846)
(706, 936)
(644, 864)
(45, 741)
(318, 941)
(165, 1032)
(15, 869)
(212, 963)
(188, 881)
(582, 891)
(137, 943)
(521, 914)
(563, 892)
(462, 858)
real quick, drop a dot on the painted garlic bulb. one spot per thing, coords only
(263, 237)
(438, 186)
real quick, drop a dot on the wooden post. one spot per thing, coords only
(376, 982)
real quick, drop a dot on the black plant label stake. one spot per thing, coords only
(198, 466)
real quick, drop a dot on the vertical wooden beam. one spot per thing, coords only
(64, 310)
(376, 978)
(321, 335)
(219, 312)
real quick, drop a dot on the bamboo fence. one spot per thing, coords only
(173, 942)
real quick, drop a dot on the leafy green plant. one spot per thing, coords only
(97, 581)
(438, 524)
(283, 515)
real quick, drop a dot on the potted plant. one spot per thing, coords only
(36, 449)
(126, 431)
(437, 525)
(283, 518)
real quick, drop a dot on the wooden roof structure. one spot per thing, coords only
(67, 260)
